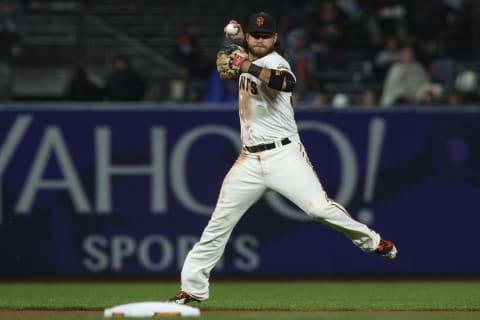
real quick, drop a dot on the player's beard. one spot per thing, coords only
(259, 51)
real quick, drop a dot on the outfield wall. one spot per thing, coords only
(127, 190)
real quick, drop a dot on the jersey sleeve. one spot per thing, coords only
(276, 62)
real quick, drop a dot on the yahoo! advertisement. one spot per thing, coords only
(129, 191)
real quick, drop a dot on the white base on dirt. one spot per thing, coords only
(151, 309)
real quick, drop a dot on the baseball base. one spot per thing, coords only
(151, 309)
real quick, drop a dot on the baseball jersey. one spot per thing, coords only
(266, 114)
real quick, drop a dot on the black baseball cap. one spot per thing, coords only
(261, 22)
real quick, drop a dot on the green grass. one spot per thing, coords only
(313, 296)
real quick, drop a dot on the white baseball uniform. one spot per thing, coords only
(266, 117)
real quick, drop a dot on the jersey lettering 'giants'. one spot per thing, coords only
(248, 85)
(266, 114)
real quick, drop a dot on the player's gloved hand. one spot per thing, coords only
(229, 60)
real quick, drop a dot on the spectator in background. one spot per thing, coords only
(319, 100)
(301, 61)
(124, 83)
(188, 57)
(404, 79)
(368, 98)
(12, 25)
(454, 99)
(439, 67)
(314, 100)
(284, 27)
(220, 90)
(386, 57)
(428, 52)
(81, 88)
(187, 53)
(429, 94)
(328, 37)
(386, 18)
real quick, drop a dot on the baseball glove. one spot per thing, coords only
(229, 60)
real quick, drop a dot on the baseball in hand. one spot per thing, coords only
(231, 29)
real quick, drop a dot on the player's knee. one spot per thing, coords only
(316, 209)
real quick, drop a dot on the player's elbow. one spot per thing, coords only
(281, 80)
(289, 83)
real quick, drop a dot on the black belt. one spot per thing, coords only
(266, 146)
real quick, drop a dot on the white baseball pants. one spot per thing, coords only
(286, 170)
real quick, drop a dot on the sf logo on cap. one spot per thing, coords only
(260, 21)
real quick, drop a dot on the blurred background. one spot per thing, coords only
(116, 133)
(342, 51)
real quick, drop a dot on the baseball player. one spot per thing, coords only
(272, 157)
